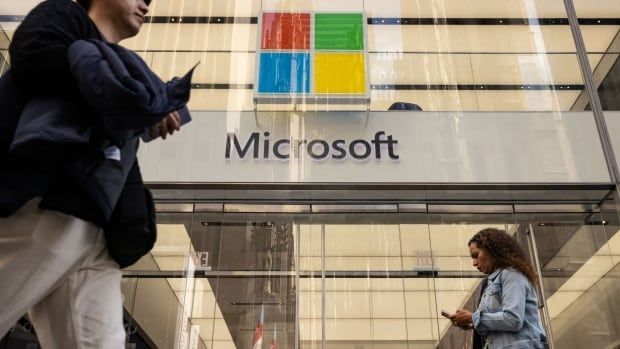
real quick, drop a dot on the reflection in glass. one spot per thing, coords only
(601, 35)
(513, 55)
(579, 265)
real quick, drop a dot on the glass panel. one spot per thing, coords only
(578, 261)
(253, 259)
(361, 309)
(448, 55)
(600, 25)
(310, 313)
(472, 55)
(310, 290)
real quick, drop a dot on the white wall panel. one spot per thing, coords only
(526, 69)
(598, 8)
(471, 38)
(195, 37)
(466, 8)
(534, 100)
(224, 8)
(388, 305)
(389, 329)
(348, 329)
(598, 37)
(408, 68)
(312, 5)
(213, 67)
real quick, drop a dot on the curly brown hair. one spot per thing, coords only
(504, 250)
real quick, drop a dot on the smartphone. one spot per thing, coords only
(445, 314)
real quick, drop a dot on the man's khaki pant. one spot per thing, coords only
(57, 268)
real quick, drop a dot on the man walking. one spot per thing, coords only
(68, 171)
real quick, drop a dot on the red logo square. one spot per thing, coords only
(286, 31)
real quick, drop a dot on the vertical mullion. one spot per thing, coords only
(595, 103)
(323, 305)
(297, 283)
(543, 296)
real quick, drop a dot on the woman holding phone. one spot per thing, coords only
(507, 316)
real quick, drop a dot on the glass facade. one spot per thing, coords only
(296, 208)
(443, 56)
(379, 278)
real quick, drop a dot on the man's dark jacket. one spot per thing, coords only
(59, 125)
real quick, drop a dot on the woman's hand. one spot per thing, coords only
(462, 319)
(171, 123)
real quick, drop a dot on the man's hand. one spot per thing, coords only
(171, 123)
(462, 318)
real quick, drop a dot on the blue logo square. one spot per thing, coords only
(284, 72)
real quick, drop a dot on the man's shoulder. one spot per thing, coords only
(54, 20)
(54, 13)
(68, 6)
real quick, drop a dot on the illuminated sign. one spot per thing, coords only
(307, 57)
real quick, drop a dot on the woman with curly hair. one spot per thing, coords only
(507, 316)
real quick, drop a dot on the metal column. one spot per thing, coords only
(595, 102)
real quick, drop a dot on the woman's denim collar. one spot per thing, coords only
(494, 274)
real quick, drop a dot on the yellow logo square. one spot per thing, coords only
(339, 73)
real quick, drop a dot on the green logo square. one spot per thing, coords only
(339, 31)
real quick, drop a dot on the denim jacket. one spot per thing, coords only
(508, 312)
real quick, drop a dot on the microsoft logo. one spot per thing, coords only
(311, 57)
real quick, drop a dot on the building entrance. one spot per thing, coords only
(360, 275)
